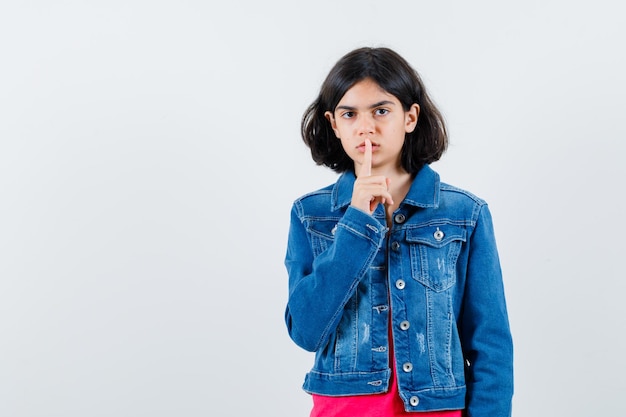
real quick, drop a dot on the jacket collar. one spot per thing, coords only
(424, 191)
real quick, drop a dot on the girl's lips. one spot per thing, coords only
(361, 147)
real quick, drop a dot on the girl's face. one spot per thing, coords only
(368, 111)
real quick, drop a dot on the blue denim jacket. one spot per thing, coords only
(434, 276)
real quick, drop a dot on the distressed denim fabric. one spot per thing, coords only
(436, 270)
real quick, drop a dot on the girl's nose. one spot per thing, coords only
(366, 126)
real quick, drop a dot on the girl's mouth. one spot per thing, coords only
(361, 147)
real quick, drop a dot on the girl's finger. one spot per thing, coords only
(366, 167)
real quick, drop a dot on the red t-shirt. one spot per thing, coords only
(388, 404)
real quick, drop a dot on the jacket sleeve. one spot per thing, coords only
(485, 332)
(320, 287)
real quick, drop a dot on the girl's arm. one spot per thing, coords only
(485, 333)
(320, 287)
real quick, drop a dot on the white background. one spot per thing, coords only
(150, 152)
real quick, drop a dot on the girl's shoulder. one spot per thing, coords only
(337, 193)
(327, 201)
(314, 203)
(452, 191)
(321, 192)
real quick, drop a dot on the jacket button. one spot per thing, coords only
(395, 246)
(407, 367)
(438, 235)
(400, 284)
(414, 401)
(405, 325)
(399, 218)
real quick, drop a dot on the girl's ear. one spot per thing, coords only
(410, 118)
(329, 116)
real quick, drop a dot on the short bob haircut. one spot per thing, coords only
(393, 74)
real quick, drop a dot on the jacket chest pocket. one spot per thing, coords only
(322, 234)
(434, 253)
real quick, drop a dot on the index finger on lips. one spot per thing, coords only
(366, 167)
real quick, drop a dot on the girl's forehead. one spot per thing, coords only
(364, 89)
(366, 83)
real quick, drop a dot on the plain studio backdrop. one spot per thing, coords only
(150, 153)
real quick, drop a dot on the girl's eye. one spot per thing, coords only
(381, 112)
(348, 115)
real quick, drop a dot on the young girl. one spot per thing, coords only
(394, 277)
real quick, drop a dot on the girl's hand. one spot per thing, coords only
(369, 191)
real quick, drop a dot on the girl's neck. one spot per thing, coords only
(398, 187)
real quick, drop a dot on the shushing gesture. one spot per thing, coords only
(369, 190)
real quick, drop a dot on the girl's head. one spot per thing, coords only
(423, 145)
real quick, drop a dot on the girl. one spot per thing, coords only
(394, 277)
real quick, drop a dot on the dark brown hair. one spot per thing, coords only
(393, 74)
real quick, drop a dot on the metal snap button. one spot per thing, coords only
(399, 218)
(333, 230)
(400, 284)
(414, 401)
(407, 367)
(438, 235)
(405, 325)
(395, 246)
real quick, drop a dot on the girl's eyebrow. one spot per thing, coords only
(373, 106)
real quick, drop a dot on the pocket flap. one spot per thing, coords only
(322, 228)
(436, 236)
